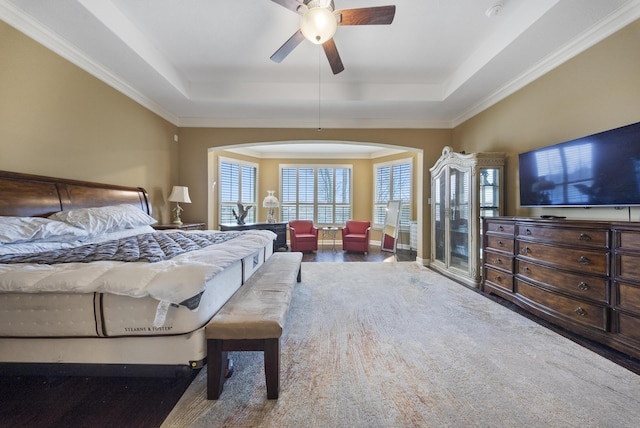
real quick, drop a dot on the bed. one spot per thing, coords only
(119, 316)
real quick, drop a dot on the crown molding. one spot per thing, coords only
(41, 34)
(623, 17)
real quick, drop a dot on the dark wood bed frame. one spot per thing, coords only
(27, 195)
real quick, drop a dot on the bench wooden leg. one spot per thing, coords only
(272, 367)
(216, 365)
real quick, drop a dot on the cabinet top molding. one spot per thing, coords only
(467, 159)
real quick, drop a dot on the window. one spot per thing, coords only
(393, 182)
(237, 181)
(318, 193)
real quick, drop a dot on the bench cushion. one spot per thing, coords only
(259, 308)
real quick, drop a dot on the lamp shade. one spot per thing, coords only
(318, 25)
(180, 194)
(270, 201)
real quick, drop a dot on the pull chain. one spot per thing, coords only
(319, 127)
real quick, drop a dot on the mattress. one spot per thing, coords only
(109, 315)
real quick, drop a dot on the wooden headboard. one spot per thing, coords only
(28, 195)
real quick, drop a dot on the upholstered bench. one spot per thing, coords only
(252, 320)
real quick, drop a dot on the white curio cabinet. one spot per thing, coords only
(464, 188)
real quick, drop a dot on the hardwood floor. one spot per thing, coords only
(45, 402)
(327, 254)
(78, 402)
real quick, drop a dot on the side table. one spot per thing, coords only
(330, 232)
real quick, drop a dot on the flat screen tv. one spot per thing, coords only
(599, 170)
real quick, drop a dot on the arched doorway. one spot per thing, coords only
(268, 153)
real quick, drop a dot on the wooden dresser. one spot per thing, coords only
(581, 275)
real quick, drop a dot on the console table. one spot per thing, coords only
(279, 229)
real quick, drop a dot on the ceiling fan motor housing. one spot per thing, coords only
(325, 4)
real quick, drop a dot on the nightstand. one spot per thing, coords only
(183, 226)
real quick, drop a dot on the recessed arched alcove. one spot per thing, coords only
(270, 154)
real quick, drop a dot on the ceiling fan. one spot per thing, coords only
(319, 23)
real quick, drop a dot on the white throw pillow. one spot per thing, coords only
(29, 229)
(99, 220)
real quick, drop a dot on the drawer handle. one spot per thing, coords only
(499, 278)
(525, 250)
(501, 244)
(526, 269)
(584, 237)
(583, 260)
(580, 311)
(501, 229)
(527, 231)
(498, 261)
(583, 286)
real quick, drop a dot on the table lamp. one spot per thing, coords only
(271, 202)
(179, 194)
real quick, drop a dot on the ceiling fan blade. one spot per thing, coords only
(292, 5)
(288, 46)
(380, 15)
(333, 56)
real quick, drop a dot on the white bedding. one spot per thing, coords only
(169, 282)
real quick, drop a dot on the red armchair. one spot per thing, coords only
(355, 236)
(303, 235)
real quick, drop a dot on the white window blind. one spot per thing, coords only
(393, 182)
(237, 183)
(318, 193)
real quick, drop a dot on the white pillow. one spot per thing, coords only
(40, 246)
(29, 229)
(99, 220)
(119, 234)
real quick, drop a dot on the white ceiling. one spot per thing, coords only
(206, 62)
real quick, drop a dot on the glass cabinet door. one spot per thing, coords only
(439, 192)
(490, 192)
(459, 215)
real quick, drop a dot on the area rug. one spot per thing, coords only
(398, 345)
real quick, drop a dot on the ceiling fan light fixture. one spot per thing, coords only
(318, 25)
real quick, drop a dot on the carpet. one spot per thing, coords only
(398, 345)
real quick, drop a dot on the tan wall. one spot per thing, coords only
(57, 120)
(593, 92)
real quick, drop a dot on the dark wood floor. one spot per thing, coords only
(325, 253)
(39, 402)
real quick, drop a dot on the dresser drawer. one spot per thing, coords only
(627, 239)
(499, 260)
(577, 259)
(627, 267)
(577, 311)
(497, 226)
(576, 237)
(627, 297)
(499, 278)
(579, 285)
(629, 326)
(500, 243)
